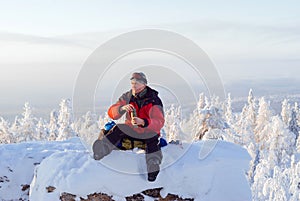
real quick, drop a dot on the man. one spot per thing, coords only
(143, 122)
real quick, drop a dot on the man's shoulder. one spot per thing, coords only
(153, 94)
(126, 96)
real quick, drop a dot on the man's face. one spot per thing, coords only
(137, 86)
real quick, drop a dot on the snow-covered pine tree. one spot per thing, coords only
(294, 174)
(262, 174)
(215, 102)
(53, 126)
(242, 127)
(228, 111)
(5, 136)
(251, 110)
(103, 120)
(89, 129)
(201, 103)
(293, 124)
(212, 124)
(285, 111)
(297, 110)
(27, 125)
(191, 126)
(15, 129)
(172, 123)
(246, 121)
(210, 118)
(65, 120)
(280, 144)
(277, 187)
(42, 131)
(255, 155)
(263, 119)
(298, 145)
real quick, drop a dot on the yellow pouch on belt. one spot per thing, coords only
(131, 144)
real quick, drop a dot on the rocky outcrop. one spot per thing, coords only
(153, 193)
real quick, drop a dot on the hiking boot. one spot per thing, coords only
(153, 169)
(100, 149)
(152, 176)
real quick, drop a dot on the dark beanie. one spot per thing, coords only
(141, 77)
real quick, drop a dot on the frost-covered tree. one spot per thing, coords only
(243, 128)
(251, 110)
(15, 129)
(298, 145)
(293, 124)
(277, 187)
(296, 108)
(294, 173)
(211, 124)
(283, 184)
(247, 121)
(5, 136)
(255, 155)
(262, 174)
(285, 111)
(42, 131)
(201, 102)
(65, 120)
(192, 126)
(27, 125)
(103, 120)
(280, 144)
(228, 111)
(53, 126)
(207, 102)
(271, 180)
(172, 123)
(215, 102)
(89, 129)
(263, 119)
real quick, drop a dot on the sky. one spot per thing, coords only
(44, 44)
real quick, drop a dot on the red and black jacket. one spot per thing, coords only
(148, 107)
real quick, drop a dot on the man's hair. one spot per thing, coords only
(140, 77)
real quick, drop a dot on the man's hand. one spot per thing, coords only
(137, 121)
(127, 108)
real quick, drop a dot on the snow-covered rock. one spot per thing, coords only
(18, 162)
(220, 175)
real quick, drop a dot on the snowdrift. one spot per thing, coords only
(185, 172)
(18, 161)
(48, 169)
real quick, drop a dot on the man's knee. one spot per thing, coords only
(152, 144)
(156, 156)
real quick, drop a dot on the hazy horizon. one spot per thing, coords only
(45, 44)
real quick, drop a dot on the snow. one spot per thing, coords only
(271, 138)
(69, 167)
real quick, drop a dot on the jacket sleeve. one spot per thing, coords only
(114, 110)
(156, 119)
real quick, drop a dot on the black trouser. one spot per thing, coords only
(120, 131)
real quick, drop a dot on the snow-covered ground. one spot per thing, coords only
(69, 167)
(19, 160)
(271, 137)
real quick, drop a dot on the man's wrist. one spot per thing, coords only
(121, 111)
(145, 124)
